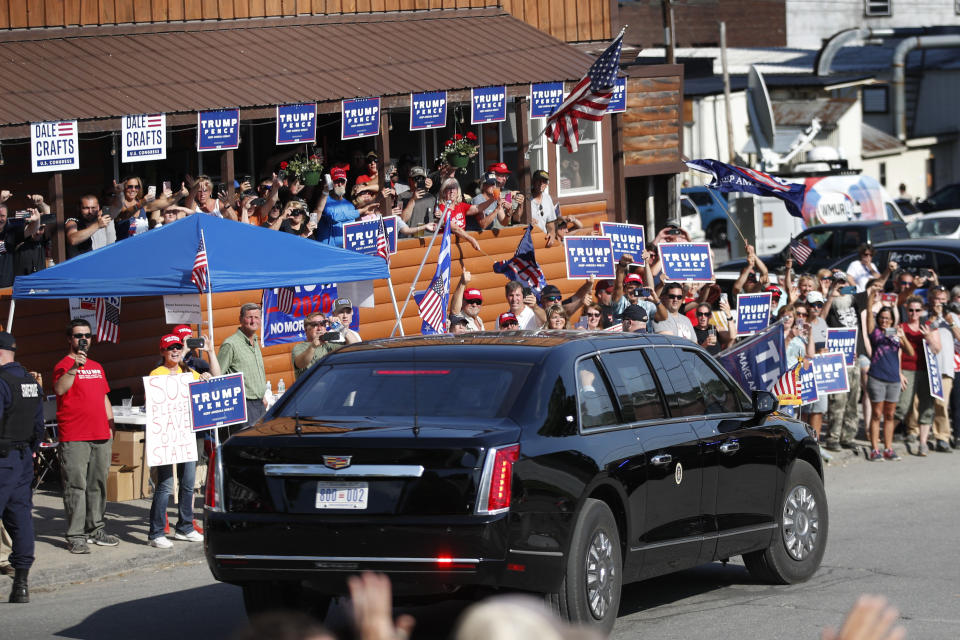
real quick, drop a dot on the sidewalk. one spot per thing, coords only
(55, 566)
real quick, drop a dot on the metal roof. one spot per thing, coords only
(107, 72)
(878, 143)
(799, 113)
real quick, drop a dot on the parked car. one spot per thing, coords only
(827, 241)
(940, 254)
(947, 197)
(562, 463)
(943, 224)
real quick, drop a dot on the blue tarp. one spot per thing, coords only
(241, 257)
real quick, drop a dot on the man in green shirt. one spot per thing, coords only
(240, 353)
(304, 354)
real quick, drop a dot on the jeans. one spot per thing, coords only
(186, 472)
(84, 465)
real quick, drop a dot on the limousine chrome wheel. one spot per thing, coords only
(801, 523)
(795, 554)
(601, 574)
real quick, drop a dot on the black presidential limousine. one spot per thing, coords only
(563, 463)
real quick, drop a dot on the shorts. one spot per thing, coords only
(880, 391)
(820, 406)
(863, 361)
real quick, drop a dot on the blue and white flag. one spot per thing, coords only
(728, 177)
(523, 267)
(488, 104)
(428, 110)
(618, 103)
(933, 372)
(626, 238)
(758, 362)
(686, 261)
(830, 373)
(545, 97)
(753, 312)
(434, 301)
(360, 118)
(218, 130)
(297, 123)
(843, 341)
(588, 256)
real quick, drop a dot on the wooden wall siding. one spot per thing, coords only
(652, 122)
(570, 20)
(39, 325)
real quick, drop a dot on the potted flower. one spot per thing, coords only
(306, 168)
(460, 149)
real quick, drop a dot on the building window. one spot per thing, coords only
(876, 99)
(580, 172)
(877, 7)
(956, 6)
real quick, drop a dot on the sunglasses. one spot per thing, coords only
(339, 181)
(610, 291)
(510, 324)
(593, 315)
(801, 315)
(473, 301)
(816, 305)
(175, 347)
(673, 296)
(703, 315)
(313, 324)
(82, 335)
(131, 186)
(914, 310)
(867, 254)
(906, 283)
(552, 298)
(825, 278)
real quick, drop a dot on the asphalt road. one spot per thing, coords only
(893, 530)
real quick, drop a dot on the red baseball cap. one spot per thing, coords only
(507, 318)
(473, 294)
(499, 167)
(183, 331)
(169, 340)
(775, 290)
(338, 173)
(633, 277)
(603, 285)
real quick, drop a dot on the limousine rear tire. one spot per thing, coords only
(590, 591)
(796, 550)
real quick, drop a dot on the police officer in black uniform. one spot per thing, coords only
(21, 430)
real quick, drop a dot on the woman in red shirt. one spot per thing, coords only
(451, 201)
(916, 388)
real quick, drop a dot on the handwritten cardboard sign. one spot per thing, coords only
(169, 435)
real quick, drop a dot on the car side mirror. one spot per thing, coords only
(764, 403)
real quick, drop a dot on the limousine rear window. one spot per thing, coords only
(443, 389)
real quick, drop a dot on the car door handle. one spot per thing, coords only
(662, 459)
(730, 447)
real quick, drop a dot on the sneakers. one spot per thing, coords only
(103, 539)
(160, 543)
(78, 545)
(193, 536)
(922, 449)
(891, 455)
(875, 455)
(833, 445)
(943, 446)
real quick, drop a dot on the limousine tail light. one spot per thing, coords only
(213, 495)
(497, 480)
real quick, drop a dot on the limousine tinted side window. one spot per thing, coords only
(718, 396)
(596, 407)
(682, 394)
(635, 385)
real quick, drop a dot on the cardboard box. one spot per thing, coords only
(120, 483)
(127, 448)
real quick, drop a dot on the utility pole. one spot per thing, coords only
(731, 151)
(669, 34)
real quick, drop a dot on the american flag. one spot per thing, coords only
(65, 128)
(285, 300)
(787, 388)
(523, 266)
(382, 249)
(108, 319)
(201, 274)
(433, 302)
(729, 177)
(587, 100)
(800, 251)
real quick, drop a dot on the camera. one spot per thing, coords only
(953, 307)
(332, 336)
(645, 292)
(258, 202)
(243, 179)
(527, 291)
(420, 183)
(195, 343)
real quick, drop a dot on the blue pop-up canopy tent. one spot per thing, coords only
(240, 257)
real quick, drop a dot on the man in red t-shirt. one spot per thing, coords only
(85, 423)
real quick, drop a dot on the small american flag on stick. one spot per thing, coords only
(800, 251)
(787, 388)
(108, 319)
(201, 273)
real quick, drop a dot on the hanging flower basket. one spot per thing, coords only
(310, 178)
(458, 160)
(460, 149)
